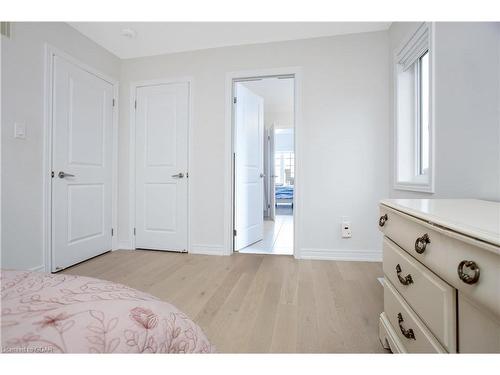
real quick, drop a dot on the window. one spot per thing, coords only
(413, 119)
(423, 114)
(284, 167)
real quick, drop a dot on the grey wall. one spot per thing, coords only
(23, 68)
(467, 116)
(344, 137)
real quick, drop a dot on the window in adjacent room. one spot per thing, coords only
(413, 120)
(284, 167)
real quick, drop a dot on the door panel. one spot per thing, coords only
(249, 189)
(81, 146)
(272, 172)
(162, 118)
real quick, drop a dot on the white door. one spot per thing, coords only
(269, 182)
(249, 187)
(161, 159)
(82, 111)
(272, 179)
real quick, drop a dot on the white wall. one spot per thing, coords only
(283, 140)
(278, 95)
(467, 101)
(344, 135)
(23, 67)
(280, 119)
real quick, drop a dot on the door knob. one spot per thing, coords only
(63, 175)
(178, 175)
(262, 175)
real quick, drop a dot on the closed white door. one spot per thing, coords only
(162, 118)
(249, 176)
(82, 113)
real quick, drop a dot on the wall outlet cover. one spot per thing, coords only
(346, 229)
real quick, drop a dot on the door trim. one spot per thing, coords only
(130, 244)
(296, 72)
(50, 52)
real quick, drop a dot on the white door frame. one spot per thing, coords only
(50, 52)
(133, 92)
(229, 134)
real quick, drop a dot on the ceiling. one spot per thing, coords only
(156, 38)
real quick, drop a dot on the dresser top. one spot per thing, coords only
(471, 217)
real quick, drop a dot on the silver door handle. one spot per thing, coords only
(63, 175)
(178, 175)
(262, 175)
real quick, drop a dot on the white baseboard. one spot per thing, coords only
(38, 268)
(207, 250)
(342, 255)
(124, 246)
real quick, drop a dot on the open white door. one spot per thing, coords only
(82, 107)
(249, 189)
(272, 178)
(162, 119)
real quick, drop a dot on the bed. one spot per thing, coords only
(59, 313)
(284, 195)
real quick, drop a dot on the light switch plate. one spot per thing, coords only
(20, 130)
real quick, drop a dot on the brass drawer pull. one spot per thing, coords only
(408, 333)
(465, 277)
(407, 280)
(382, 220)
(421, 243)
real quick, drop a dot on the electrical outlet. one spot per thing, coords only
(346, 229)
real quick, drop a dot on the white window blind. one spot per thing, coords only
(414, 48)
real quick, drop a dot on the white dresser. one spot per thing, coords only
(441, 276)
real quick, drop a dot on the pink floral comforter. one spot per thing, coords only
(42, 312)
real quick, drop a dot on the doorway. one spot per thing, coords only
(264, 165)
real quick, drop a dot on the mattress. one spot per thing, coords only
(59, 313)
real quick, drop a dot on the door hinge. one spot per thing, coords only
(134, 231)
(268, 206)
(112, 232)
(135, 104)
(187, 174)
(113, 102)
(235, 100)
(234, 232)
(52, 174)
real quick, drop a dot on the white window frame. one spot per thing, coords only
(419, 183)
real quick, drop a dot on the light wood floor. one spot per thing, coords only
(259, 303)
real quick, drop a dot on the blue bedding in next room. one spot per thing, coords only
(284, 192)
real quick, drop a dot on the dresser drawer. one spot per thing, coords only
(444, 251)
(431, 298)
(411, 331)
(408, 232)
